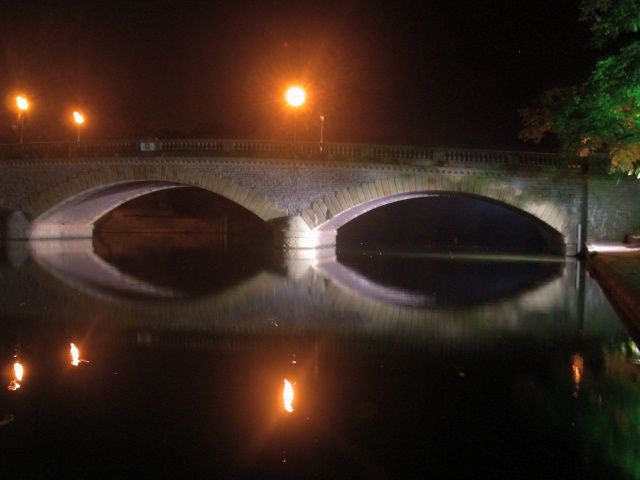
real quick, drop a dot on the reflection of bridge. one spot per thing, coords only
(66, 283)
(76, 263)
(305, 195)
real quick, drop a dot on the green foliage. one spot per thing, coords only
(602, 114)
(609, 19)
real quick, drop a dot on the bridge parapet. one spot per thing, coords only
(348, 152)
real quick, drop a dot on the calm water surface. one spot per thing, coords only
(403, 365)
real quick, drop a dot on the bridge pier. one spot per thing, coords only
(293, 233)
(572, 249)
(14, 225)
(299, 263)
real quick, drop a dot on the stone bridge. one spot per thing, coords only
(304, 191)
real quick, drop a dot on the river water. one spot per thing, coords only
(402, 365)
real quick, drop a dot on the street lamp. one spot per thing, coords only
(78, 119)
(23, 105)
(321, 132)
(295, 97)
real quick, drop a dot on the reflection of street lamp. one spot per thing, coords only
(295, 97)
(23, 105)
(18, 373)
(74, 351)
(577, 369)
(288, 396)
(78, 119)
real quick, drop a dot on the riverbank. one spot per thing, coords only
(618, 272)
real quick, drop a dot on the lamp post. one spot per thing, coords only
(295, 97)
(23, 105)
(321, 132)
(78, 119)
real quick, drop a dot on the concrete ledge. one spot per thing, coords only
(632, 239)
(619, 277)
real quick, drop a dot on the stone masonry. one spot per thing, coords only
(305, 200)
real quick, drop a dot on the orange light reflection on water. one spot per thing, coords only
(74, 351)
(75, 355)
(18, 372)
(577, 368)
(287, 396)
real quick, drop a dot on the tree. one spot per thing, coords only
(602, 115)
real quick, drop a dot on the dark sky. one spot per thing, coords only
(436, 73)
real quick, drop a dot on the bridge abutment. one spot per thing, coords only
(15, 225)
(571, 250)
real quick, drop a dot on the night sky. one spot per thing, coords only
(435, 73)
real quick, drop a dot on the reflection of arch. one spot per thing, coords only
(69, 209)
(444, 281)
(353, 281)
(269, 305)
(75, 262)
(333, 211)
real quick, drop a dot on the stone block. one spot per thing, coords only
(332, 204)
(343, 202)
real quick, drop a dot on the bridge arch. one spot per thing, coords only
(70, 209)
(325, 216)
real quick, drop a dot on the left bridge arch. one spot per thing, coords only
(70, 209)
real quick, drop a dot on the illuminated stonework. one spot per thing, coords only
(305, 201)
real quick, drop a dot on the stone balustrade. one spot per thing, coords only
(405, 155)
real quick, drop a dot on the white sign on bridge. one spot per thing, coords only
(149, 146)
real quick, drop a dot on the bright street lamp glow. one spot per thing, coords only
(22, 103)
(78, 118)
(295, 96)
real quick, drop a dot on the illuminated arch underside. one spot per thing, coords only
(329, 227)
(75, 217)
